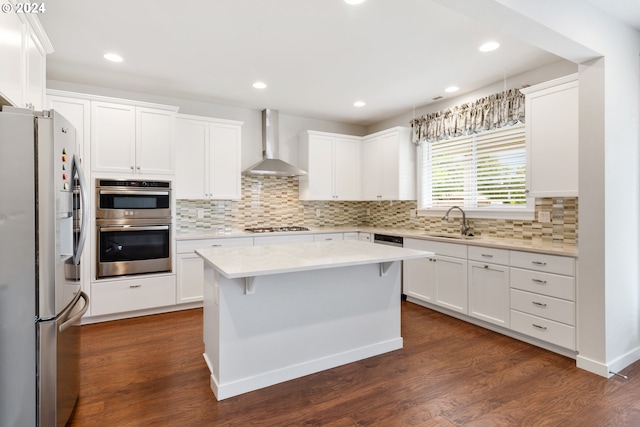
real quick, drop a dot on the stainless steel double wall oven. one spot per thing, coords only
(133, 227)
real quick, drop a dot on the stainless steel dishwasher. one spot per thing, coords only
(398, 241)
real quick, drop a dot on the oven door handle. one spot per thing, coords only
(134, 228)
(135, 192)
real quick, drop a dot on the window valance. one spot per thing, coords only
(494, 111)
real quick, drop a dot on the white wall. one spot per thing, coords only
(290, 125)
(609, 215)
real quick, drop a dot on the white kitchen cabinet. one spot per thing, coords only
(332, 162)
(23, 49)
(131, 294)
(351, 236)
(190, 267)
(489, 285)
(441, 279)
(325, 237)
(551, 128)
(389, 165)
(365, 237)
(543, 297)
(208, 158)
(131, 139)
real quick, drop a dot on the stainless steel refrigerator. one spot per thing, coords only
(43, 222)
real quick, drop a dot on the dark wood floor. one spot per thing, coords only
(150, 371)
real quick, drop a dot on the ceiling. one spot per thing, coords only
(317, 57)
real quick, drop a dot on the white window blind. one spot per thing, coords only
(475, 171)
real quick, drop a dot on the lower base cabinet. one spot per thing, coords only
(119, 296)
(529, 293)
(190, 267)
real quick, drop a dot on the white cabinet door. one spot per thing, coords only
(11, 73)
(132, 140)
(552, 138)
(190, 268)
(224, 162)
(451, 283)
(489, 292)
(78, 112)
(113, 135)
(332, 162)
(418, 278)
(154, 148)
(346, 173)
(192, 138)
(388, 165)
(371, 169)
(208, 157)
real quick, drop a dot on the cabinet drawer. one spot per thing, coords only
(440, 248)
(327, 236)
(543, 283)
(489, 255)
(544, 329)
(542, 262)
(560, 310)
(187, 246)
(132, 294)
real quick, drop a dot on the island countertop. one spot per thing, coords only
(248, 261)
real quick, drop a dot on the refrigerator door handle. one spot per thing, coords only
(73, 319)
(84, 198)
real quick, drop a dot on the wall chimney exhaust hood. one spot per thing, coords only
(271, 165)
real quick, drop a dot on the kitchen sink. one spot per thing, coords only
(450, 236)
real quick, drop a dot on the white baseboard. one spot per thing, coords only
(224, 391)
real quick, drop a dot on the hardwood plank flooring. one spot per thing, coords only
(150, 371)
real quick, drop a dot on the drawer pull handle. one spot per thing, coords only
(542, 282)
(539, 304)
(538, 263)
(135, 286)
(544, 328)
(487, 255)
(216, 245)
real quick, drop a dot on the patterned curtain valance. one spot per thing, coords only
(494, 111)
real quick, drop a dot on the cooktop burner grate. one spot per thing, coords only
(275, 229)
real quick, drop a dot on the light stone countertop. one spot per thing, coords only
(249, 261)
(544, 247)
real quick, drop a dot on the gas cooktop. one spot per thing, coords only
(274, 229)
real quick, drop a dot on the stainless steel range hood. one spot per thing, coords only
(270, 164)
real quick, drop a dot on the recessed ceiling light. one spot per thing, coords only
(260, 85)
(489, 46)
(452, 89)
(354, 1)
(359, 104)
(113, 57)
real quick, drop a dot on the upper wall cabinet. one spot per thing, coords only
(552, 138)
(208, 158)
(389, 165)
(332, 162)
(23, 49)
(131, 139)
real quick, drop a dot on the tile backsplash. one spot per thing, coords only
(273, 201)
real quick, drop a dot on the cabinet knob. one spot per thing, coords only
(131, 167)
(138, 167)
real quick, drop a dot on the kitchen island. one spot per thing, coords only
(278, 312)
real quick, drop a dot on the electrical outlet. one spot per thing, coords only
(368, 211)
(412, 213)
(200, 213)
(544, 216)
(318, 212)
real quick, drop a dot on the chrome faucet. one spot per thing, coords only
(464, 225)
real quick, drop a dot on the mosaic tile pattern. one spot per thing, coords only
(273, 201)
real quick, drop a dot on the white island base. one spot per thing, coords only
(264, 329)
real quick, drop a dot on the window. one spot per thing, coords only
(484, 171)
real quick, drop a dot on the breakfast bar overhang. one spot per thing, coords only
(279, 312)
